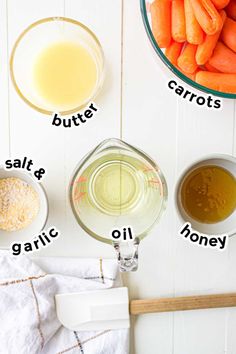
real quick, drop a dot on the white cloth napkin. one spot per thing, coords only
(28, 321)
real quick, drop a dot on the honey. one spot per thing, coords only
(208, 194)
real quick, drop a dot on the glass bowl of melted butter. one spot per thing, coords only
(206, 195)
(57, 65)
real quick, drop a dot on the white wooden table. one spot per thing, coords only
(135, 104)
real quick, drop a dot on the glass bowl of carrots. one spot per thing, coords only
(196, 39)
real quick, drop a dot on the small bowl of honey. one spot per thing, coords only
(206, 195)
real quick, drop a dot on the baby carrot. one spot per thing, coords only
(194, 33)
(217, 81)
(178, 27)
(173, 52)
(228, 35)
(211, 68)
(205, 49)
(223, 59)
(186, 60)
(220, 4)
(231, 10)
(207, 15)
(190, 76)
(161, 22)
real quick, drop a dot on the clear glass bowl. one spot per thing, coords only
(161, 54)
(30, 44)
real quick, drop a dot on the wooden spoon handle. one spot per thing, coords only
(138, 307)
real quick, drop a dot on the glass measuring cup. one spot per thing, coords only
(116, 186)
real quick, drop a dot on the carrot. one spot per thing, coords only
(194, 33)
(190, 76)
(220, 4)
(186, 60)
(161, 22)
(223, 59)
(173, 52)
(207, 15)
(211, 68)
(217, 81)
(231, 10)
(205, 49)
(178, 27)
(228, 35)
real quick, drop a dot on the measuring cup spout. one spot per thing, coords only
(114, 143)
(127, 255)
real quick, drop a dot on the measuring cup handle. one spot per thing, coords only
(127, 255)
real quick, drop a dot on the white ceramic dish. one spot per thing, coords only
(227, 226)
(27, 234)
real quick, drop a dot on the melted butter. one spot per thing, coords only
(65, 75)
